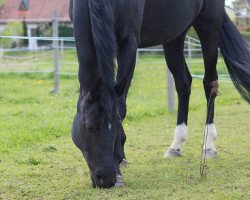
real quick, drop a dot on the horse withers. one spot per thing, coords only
(106, 30)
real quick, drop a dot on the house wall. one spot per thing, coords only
(32, 42)
(1, 28)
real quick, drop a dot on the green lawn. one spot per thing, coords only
(39, 161)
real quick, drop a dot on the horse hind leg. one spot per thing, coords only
(207, 26)
(183, 80)
(210, 54)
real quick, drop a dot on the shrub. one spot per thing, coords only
(11, 28)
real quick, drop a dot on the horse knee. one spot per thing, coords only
(184, 88)
(123, 137)
(122, 107)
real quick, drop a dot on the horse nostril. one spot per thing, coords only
(99, 178)
(101, 181)
(104, 182)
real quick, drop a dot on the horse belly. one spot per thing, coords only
(164, 20)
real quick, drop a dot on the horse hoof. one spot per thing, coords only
(119, 181)
(172, 153)
(124, 163)
(209, 153)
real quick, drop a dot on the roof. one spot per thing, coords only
(38, 10)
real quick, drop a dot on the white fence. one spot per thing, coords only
(59, 53)
(58, 56)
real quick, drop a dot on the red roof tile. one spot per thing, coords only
(39, 10)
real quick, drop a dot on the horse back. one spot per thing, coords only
(167, 19)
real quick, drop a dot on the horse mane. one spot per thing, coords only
(103, 31)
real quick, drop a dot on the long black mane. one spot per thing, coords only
(103, 31)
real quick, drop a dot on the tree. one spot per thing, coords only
(242, 18)
(241, 4)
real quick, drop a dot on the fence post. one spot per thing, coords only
(55, 52)
(1, 54)
(170, 92)
(137, 57)
(1, 48)
(189, 52)
(62, 54)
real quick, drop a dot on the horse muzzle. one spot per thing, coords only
(103, 179)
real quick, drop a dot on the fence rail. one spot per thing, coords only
(59, 58)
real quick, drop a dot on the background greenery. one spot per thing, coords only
(11, 28)
(1, 2)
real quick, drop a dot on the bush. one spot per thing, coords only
(12, 28)
(65, 30)
(45, 30)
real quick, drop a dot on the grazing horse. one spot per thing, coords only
(106, 30)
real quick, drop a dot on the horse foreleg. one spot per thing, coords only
(183, 80)
(126, 65)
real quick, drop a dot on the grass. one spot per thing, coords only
(39, 161)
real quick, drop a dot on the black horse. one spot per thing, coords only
(106, 30)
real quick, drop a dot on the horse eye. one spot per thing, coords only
(90, 128)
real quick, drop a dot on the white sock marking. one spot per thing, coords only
(211, 134)
(180, 136)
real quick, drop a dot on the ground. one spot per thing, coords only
(39, 161)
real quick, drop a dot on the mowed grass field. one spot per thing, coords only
(39, 161)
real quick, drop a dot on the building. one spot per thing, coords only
(242, 9)
(34, 12)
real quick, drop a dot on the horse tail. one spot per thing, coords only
(236, 54)
(103, 32)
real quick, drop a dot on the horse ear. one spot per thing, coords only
(95, 90)
(120, 87)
